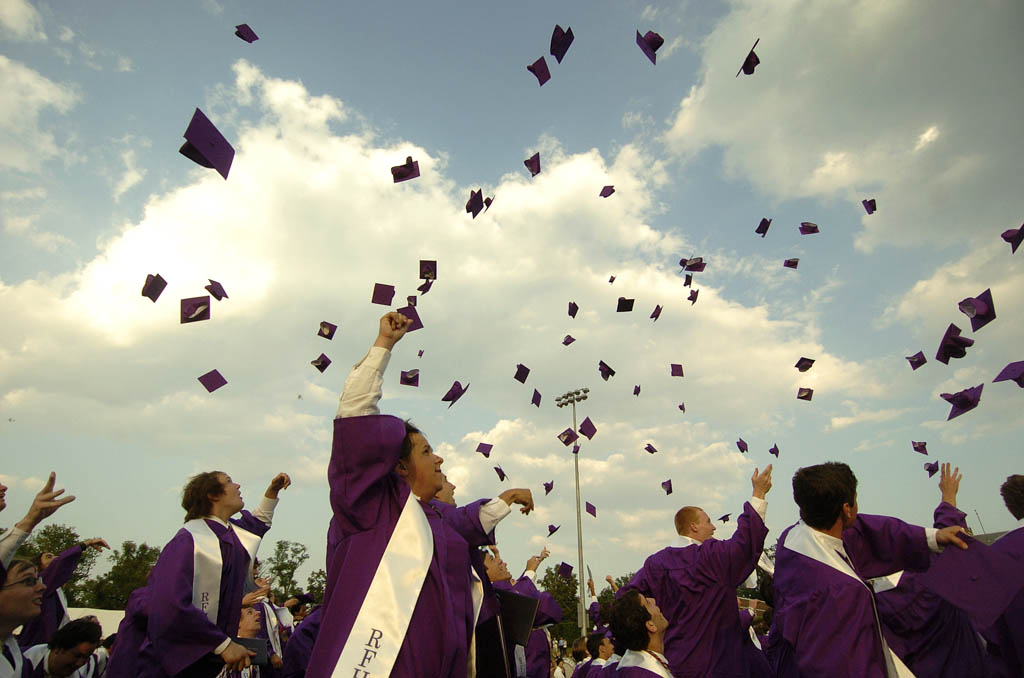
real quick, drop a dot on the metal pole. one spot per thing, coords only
(581, 615)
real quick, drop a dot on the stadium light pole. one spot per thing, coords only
(571, 398)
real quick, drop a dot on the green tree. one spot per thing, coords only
(606, 597)
(55, 538)
(130, 570)
(565, 591)
(316, 583)
(288, 557)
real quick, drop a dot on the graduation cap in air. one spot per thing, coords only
(1013, 372)
(688, 280)
(533, 164)
(568, 340)
(428, 269)
(411, 313)
(568, 437)
(425, 287)
(153, 286)
(522, 372)
(548, 486)
(979, 309)
(607, 191)
(762, 228)
(216, 289)
(501, 473)
(245, 33)
(869, 205)
(916, 360)
(649, 42)
(750, 63)
(410, 378)
(611, 279)
(454, 393)
(484, 449)
(667, 486)
(741, 445)
(212, 380)
(475, 202)
(552, 528)
(677, 370)
(588, 429)
(791, 263)
(932, 468)
(576, 448)
(321, 363)
(804, 364)
(952, 345)
(540, 69)
(921, 447)
(625, 305)
(560, 41)
(651, 449)
(774, 449)
(656, 313)
(808, 228)
(682, 407)
(535, 400)
(962, 401)
(419, 353)
(725, 518)
(411, 300)
(1014, 236)
(591, 509)
(804, 393)
(573, 309)
(605, 370)
(206, 146)
(404, 172)
(695, 264)
(693, 296)
(636, 390)
(195, 309)
(382, 294)
(565, 571)
(327, 330)
(487, 203)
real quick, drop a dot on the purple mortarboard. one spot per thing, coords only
(725, 518)
(153, 286)
(605, 370)
(921, 447)
(410, 378)
(195, 309)
(533, 164)
(804, 364)
(573, 309)
(522, 372)
(624, 305)
(741, 445)
(410, 313)
(425, 287)
(560, 41)
(607, 191)
(774, 449)
(636, 390)
(696, 264)
(410, 170)
(475, 202)
(383, 294)
(548, 486)
(540, 69)
(487, 203)
(484, 449)
(565, 571)
(552, 528)
(979, 309)
(667, 486)
(591, 509)
(321, 363)
(677, 370)
(808, 228)
(750, 63)
(568, 437)
(568, 340)
(682, 407)
(1014, 236)
(1013, 372)
(932, 468)
(245, 33)
(212, 380)
(206, 146)
(952, 345)
(651, 449)
(688, 280)
(611, 279)
(804, 393)
(305, 598)
(916, 360)
(649, 42)
(576, 448)
(501, 474)
(693, 296)
(656, 313)
(428, 269)
(327, 330)
(588, 429)
(535, 400)
(216, 289)
(762, 228)
(962, 401)
(791, 263)
(869, 205)
(454, 393)
(419, 353)
(411, 300)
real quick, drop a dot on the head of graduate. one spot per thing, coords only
(72, 645)
(211, 493)
(637, 623)
(1013, 495)
(826, 494)
(694, 523)
(21, 596)
(419, 465)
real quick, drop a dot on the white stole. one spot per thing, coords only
(63, 600)
(6, 670)
(273, 627)
(477, 589)
(813, 544)
(384, 615)
(644, 660)
(207, 565)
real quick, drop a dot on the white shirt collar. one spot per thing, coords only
(218, 520)
(686, 541)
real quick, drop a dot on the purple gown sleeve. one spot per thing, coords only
(947, 515)
(465, 521)
(736, 557)
(251, 523)
(61, 569)
(880, 545)
(360, 472)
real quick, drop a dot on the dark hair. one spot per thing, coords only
(195, 498)
(410, 428)
(685, 516)
(1013, 495)
(74, 633)
(594, 643)
(19, 565)
(821, 491)
(579, 649)
(629, 621)
(109, 641)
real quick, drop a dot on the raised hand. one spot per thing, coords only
(949, 483)
(280, 482)
(534, 562)
(44, 505)
(520, 496)
(948, 535)
(393, 327)
(762, 482)
(257, 596)
(611, 582)
(98, 544)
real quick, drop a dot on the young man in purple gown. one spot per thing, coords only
(695, 583)
(1006, 637)
(826, 622)
(639, 627)
(70, 651)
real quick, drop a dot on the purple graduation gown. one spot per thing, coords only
(367, 498)
(57, 573)
(538, 651)
(695, 587)
(300, 646)
(824, 623)
(582, 669)
(131, 634)
(1006, 636)
(931, 636)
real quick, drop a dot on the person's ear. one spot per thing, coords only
(651, 626)
(402, 470)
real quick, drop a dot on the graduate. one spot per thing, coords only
(639, 626)
(300, 645)
(826, 622)
(21, 597)
(1006, 637)
(250, 621)
(389, 606)
(69, 652)
(192, 601)
(695, 583)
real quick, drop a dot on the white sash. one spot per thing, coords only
(644, 660)
(379, 629)
(63, 599)
(477, 589)
(207, 565)
(273, 624)
(6, 670)
(888, 583)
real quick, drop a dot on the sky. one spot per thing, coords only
(891, 100)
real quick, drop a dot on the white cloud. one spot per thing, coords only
(860, 416)
(24, 143)
(131, 174)
(21, 21)
(21, 212)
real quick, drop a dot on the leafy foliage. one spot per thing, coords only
(288, 557)
(130, 570)
(316, 583)
(55, 538)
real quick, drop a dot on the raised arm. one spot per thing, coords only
(946, 513)
(733, 559)
(362, 388)
(46, 502)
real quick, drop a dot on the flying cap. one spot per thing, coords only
(425, 287)
(501, 474)
(916, 360)
(382, 294)
(749, 63)
(560, 41)
(605, 370)
(321, 363)
(1014, 236)
(774, 449)
(475, 202)
(540, 69)
(932, 468)
(762, 228)
(636, 390)
(791, 263)
(725, 518)
(804, 364)
(548, 486)
(216, 289)
(625, 305)
(454, 393)
(667, 486)
(696, 265)
(568, 340)
(153, 286)
(552, 528)
(656, 313)
(206, 146)
(591, 509)
(568, 437)
(522, 372)
(573, 309)
(607, 191)
(533, 164)
(428, 269)
(419, 353)
(245, 33)
(676, 370)
(409, 170)
(565, 571)
(682, 407)
(869, 205)
(195, 309)
(808, 228)
(327, 330)
(921, 447)
(588, 429)
(212, 380)
(651, 449)
(1013, 372)
(804, 393)
(484, 449)
(411, 313)
(688, 280)
(411, 300)
(535, 400)
(741, 445)
(952, 345)
(410, 378)
(693, 296)
(649, 42)
(611, 279)
(979, 309)
(487, 203)
(962, 401)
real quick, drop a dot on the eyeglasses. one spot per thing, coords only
(27, 581)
